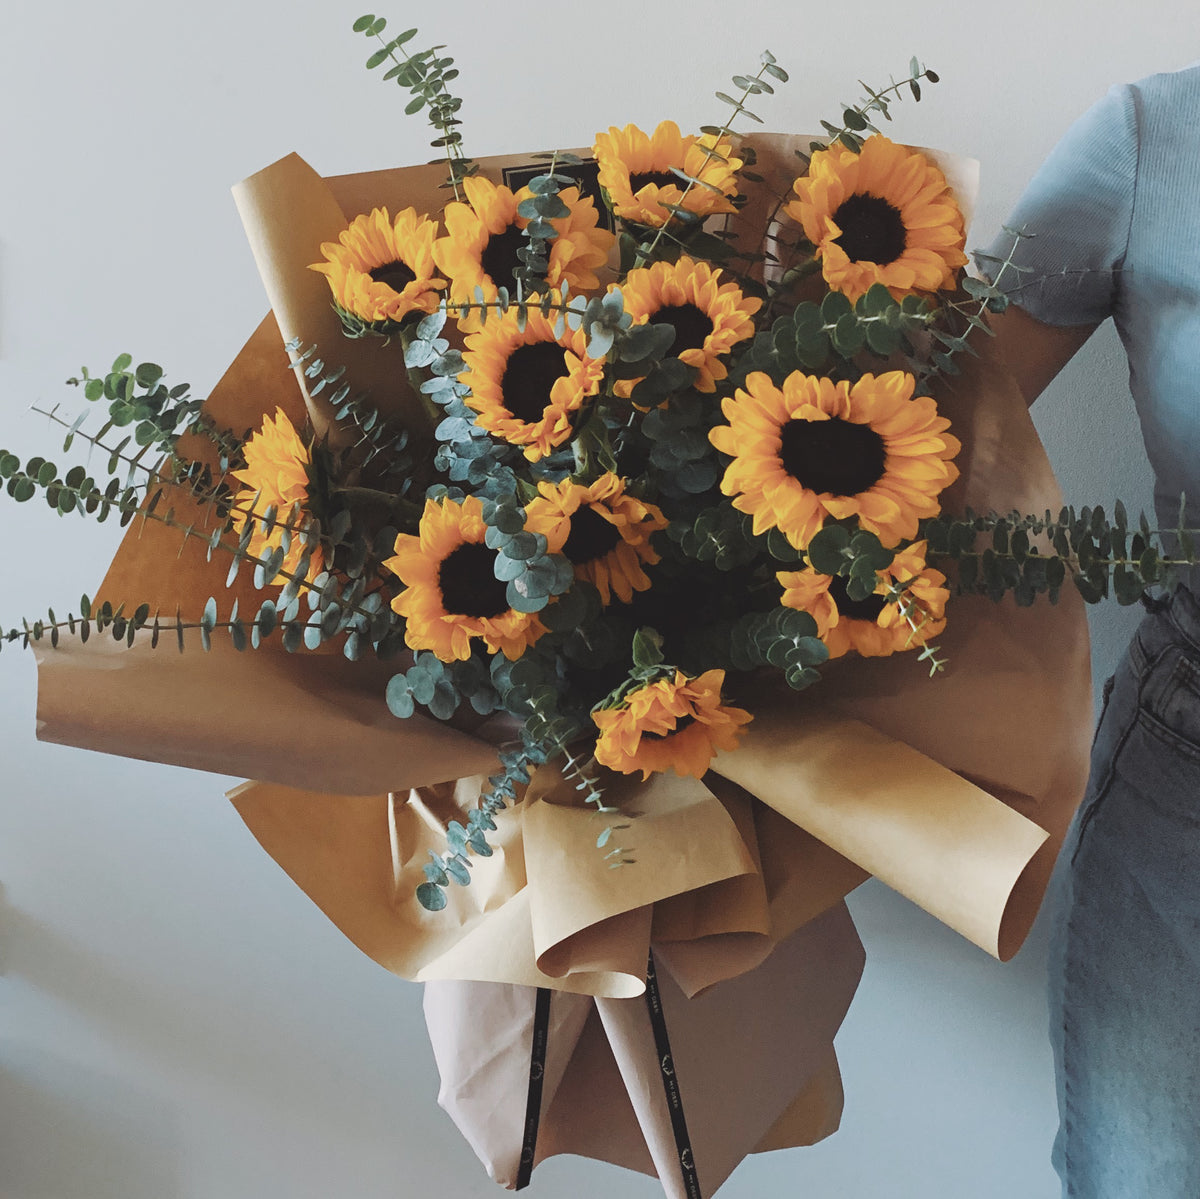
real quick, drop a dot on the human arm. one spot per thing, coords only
(1033, 350)
(1062, 253)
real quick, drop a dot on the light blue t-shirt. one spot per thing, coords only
(1115, 218)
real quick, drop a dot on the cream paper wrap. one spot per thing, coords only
(955, 791)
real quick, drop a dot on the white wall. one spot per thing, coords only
(176, 1020)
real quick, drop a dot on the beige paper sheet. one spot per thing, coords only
(753, 1059)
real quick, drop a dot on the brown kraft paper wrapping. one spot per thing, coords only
(877, 769)
(767, 1034)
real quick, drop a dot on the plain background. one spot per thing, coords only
(177, 1021)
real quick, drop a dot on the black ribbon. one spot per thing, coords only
(666, 1064)
(537, 1072)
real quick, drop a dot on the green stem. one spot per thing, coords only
(122, 503)
(429, 406)
(207, 497)
(644, 252)
(877, 103)
(394, 503)
(452, 149)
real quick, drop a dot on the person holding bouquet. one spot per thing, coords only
(1109, 228)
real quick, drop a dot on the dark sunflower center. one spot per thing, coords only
(834, 456)
(639, 180)
(468, 583)
(690, 324)
(591, 536)
(864, 609)
(529, 374)
(499, 258)
(397, 275)
(872, 229)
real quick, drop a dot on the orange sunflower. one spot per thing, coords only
(604, 532)
(884, 215)
(709, 317)
(451, 593)
(484, 235)
(636, 175)
(872, 627)
(380, 270)
(276, 476)
(526, 384)
(675, 724)
(817, 448)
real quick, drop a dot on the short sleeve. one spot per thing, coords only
(1075, 216)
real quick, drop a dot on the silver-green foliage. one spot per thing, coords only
(425, 74)
(1029, 556)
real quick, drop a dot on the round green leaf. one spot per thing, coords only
(431, 897)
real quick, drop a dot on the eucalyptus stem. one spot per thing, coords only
(910, 607)
(209, 497)
(124, 626)
(855, 117)
(574, 771)
(451, 140)
(130, 507)
(394, 503)
(644, 251)
(430, 407)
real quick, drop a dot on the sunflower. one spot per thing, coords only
(675, 724)
(604, 532)
(636, 174)
(451, 592)
(709, 317)
(872, 627)
(380, 270)
(484, 235)
(526, 384)
(885, 215)
(276, 476)
(817, 448)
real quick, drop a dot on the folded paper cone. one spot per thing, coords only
(765, 1037)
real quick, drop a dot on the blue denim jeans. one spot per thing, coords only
(1125, 959)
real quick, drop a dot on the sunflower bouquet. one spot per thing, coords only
(655, 465)
(646, 434)
(627, 446)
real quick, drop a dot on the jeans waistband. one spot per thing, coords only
(1183, 611)
(1170, 620)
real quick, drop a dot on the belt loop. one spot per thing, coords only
(1154, 604)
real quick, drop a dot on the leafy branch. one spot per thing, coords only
(159, 415)
(959, 317)
(123, 628)
(916, 616)
(856, 118)
(350, 607)
(750, 85)
(195, 477)
(806, 338)
(575, 771)
(997, 554)
(425, 74)
(380, 441)
(454, 866)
